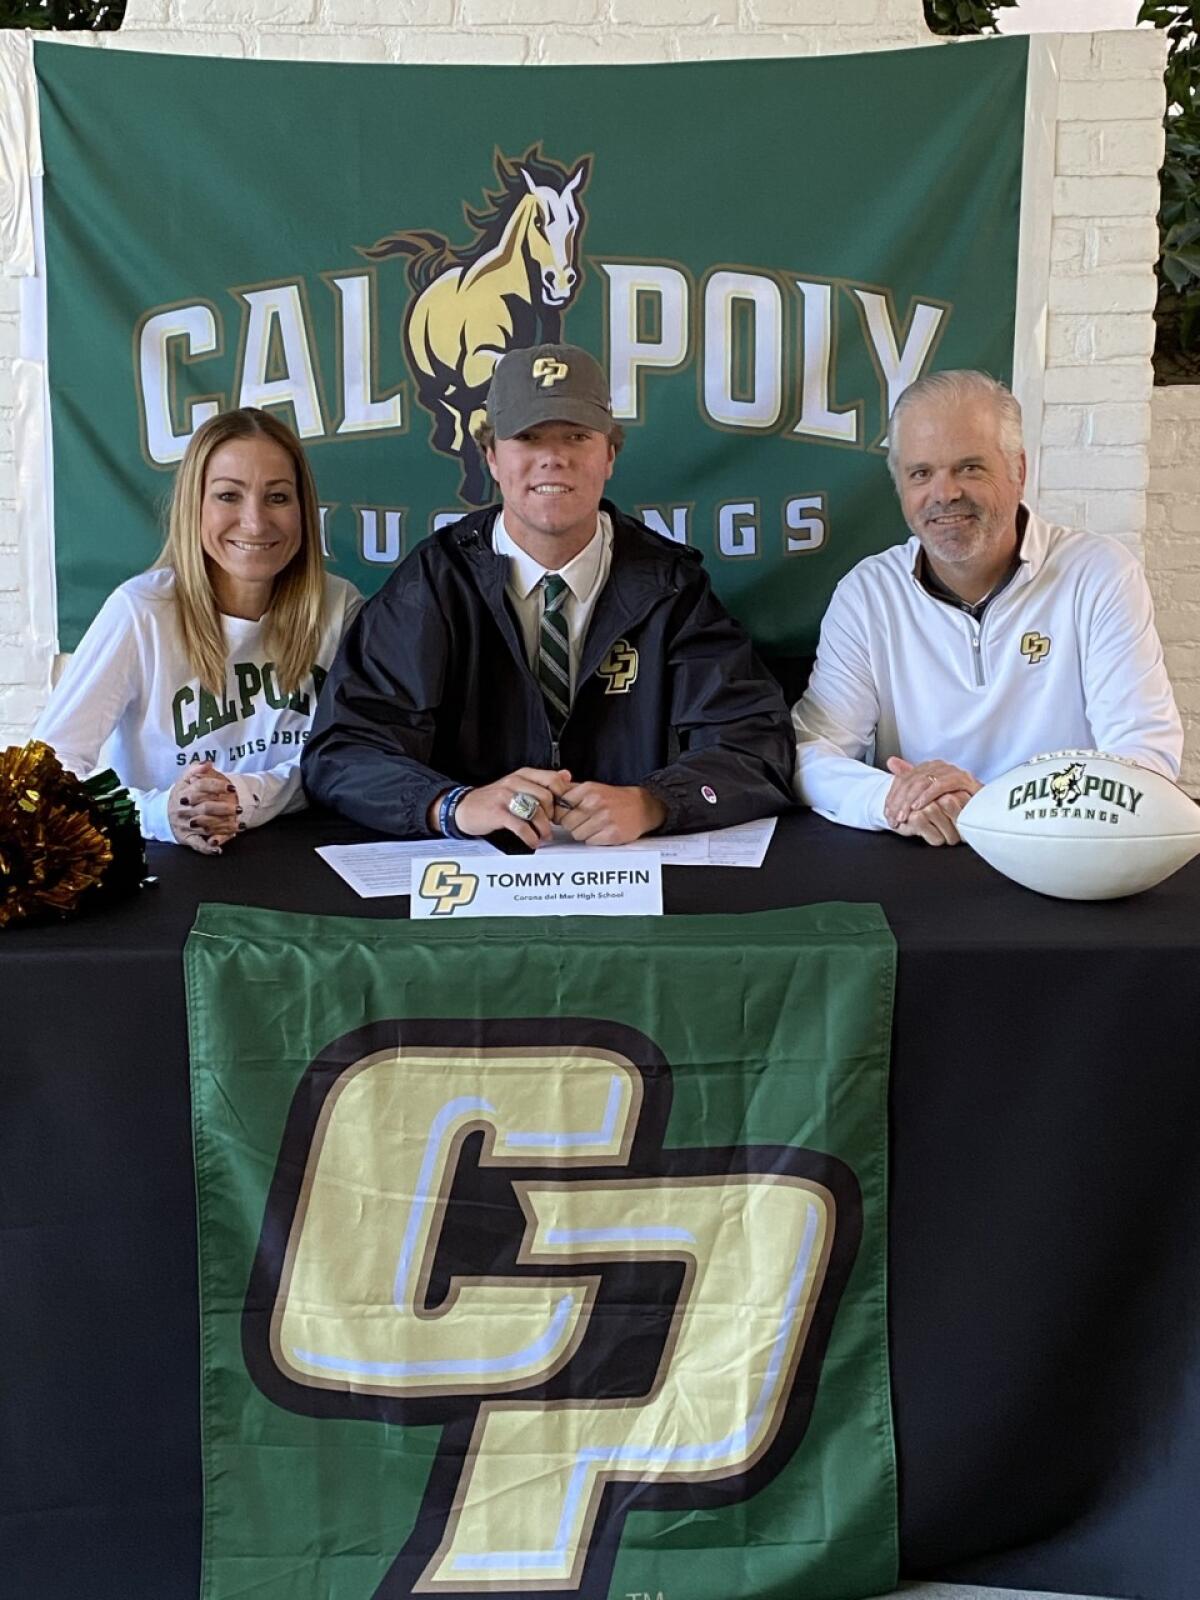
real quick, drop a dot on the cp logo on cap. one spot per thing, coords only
(548, 371)
(449, 885)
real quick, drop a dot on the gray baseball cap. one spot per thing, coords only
(548, 383)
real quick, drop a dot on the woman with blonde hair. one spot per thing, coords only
(198, 679)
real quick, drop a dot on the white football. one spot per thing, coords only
(1082, 825)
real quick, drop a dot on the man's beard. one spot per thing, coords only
(956, 544)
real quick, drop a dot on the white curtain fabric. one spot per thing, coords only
(22, 255)
(20, 152)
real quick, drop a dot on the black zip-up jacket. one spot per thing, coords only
(432, 688)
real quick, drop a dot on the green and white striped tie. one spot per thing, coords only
(554, 655)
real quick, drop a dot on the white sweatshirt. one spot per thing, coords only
(130, 700)
(1065, 657)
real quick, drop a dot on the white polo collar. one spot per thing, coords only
(524, 573)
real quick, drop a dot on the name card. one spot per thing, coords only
(589, 883)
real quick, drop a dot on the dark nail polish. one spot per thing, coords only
(239, 811)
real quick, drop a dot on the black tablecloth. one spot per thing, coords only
(1045, 1259)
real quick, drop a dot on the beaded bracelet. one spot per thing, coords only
(446, 810)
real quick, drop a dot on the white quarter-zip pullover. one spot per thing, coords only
(1065, 656)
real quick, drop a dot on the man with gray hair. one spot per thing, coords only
(989, 637)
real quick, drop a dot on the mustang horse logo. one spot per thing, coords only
(1066, 786)
(505, 290)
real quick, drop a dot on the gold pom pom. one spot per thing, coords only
(60, 837)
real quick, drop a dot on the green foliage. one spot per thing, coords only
(101, 15)
(1177, 347)
(1178, 19)
(957, 18)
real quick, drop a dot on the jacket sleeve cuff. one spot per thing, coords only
(152, 810)
(875, 812)
(670, 795)
(696, 801)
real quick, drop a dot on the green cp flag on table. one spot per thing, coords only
(544, 1263)
(762, 253)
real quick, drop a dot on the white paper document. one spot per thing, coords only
(374, 871)
(744, 845)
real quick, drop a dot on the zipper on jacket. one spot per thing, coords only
(555, 757)
(977, 653)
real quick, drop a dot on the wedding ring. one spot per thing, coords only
(523, 805)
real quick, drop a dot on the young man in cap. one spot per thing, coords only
(549, 659)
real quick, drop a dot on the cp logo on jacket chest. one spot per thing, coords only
(1036, 646)
(619, 668)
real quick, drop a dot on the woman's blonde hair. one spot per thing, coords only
(297, 600)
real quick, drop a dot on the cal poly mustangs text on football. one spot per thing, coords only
(131, 700)
(1072, 791)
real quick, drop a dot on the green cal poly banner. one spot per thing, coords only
(763, 253)
(528, 1269)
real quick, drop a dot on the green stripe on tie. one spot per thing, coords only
(554, 656)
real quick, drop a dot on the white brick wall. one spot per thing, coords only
(514, 32)
(1173, 552)
(1096, 425)
(1098, 413)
